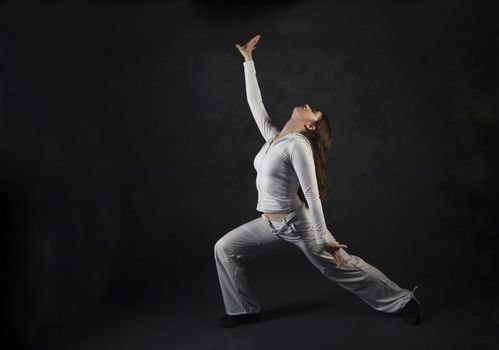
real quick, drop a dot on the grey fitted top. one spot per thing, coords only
(283, 165)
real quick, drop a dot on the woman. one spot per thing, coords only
(291, 181)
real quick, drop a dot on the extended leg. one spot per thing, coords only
(360, 278)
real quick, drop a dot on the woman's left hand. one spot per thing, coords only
(333, 248)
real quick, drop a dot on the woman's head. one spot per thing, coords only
(317, 129)
(306, 115)
(315, 125)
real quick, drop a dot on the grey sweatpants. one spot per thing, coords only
(245, 242)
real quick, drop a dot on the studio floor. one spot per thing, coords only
(302, 309)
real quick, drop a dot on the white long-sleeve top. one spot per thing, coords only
(283, 165)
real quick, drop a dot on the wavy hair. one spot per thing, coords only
(321, 139)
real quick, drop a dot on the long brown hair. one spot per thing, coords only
(321, 139)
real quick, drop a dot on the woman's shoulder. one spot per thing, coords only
(297, 139)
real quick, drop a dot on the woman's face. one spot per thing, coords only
(306, 114)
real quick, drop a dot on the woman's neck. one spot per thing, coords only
(290, 127)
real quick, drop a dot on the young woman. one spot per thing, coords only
(291, 181)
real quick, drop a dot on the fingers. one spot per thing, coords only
(339, 260)
(339, 245)
(242, 48)
(334, 250)
(254, 41)
(245, 48)
(255, 38)
(250, 44)
(343, 262)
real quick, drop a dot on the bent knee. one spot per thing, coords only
(223, 248)
(218, 247)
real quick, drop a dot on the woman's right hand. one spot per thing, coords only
(333, 248)
(248, 48)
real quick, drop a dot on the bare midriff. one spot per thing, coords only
(276, 216)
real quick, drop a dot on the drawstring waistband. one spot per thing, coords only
(283, 227)
(286, 221)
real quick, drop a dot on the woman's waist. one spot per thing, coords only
(282, 215)
(276, 216)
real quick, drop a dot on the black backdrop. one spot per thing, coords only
(126, 142)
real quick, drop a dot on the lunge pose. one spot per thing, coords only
(291, 181)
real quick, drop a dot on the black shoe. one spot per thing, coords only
(235, 320)
(410, 313)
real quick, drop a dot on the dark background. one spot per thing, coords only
(127, 145)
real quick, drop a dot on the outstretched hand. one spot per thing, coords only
(248, 47)
(333, 248)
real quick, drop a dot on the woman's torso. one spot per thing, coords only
(276, 216)
(276, 180)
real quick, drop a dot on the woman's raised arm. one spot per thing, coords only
(253, 95)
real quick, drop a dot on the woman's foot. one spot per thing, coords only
(235, 320)
(410, 313)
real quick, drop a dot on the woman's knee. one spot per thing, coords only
(224, 246)
(219, 246)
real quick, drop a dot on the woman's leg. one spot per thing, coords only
(232, 251)
(358, 277)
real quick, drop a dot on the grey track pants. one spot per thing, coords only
(245, 242)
